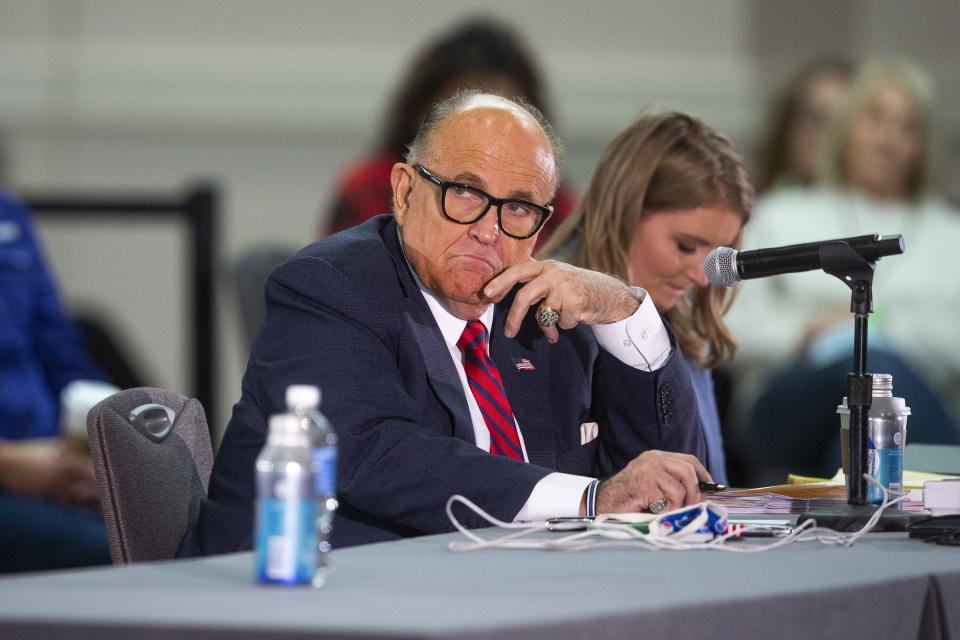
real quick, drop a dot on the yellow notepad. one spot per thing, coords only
(911, 479)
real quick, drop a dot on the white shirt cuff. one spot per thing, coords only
(640, 341)
(556, 495)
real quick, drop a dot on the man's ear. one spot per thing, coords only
(401, 181)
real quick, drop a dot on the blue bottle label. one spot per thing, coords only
(286, 541)
(886, 465)
(325, 470)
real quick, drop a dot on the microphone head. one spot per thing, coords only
(720, 267)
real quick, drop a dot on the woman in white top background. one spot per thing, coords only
(876, 176)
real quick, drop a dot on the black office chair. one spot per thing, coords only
(152, 457)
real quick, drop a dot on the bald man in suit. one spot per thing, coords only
(452, 362)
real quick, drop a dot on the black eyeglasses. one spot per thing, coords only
(464, 204)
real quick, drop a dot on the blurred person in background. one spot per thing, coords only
(799, 118)
(667, 190)
(877, 175)
(47, 490)
(480, 53)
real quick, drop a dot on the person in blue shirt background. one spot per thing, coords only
(47, 490)
(667, 190)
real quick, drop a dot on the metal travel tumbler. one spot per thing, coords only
(887, 435)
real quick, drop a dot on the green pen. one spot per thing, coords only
(639, 526)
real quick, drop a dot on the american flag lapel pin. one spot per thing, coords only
(523, 364)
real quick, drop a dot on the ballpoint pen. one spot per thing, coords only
(746, 530)
(711, 486)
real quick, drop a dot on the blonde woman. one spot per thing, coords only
(667, 190)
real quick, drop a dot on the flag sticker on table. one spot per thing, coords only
(522, 364)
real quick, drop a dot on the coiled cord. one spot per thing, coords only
(604, 534)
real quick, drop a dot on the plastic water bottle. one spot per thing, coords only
(286, 543)
(304, 402)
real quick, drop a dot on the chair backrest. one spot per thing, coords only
(251, 271)
(152, 455)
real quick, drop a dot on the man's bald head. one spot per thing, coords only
(473, 146)
(470, 99)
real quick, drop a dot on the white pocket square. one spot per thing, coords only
(588, 432)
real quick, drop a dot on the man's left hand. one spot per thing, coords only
(580, 296)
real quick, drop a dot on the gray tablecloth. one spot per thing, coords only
(884, 587)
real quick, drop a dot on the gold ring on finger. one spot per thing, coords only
(658, 505)
(547, 316)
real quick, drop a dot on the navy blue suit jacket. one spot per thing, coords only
(345, 313)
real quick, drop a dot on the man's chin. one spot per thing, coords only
(467, 306)
(468, 289)
(469, 298)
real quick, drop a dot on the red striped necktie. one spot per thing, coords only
(487, 388)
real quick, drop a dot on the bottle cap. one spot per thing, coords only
(303, 395)
(882, 385)
(285, 424)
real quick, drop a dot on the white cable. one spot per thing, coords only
(509, 541)
(604, 534)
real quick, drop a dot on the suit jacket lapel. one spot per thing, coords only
(441, 372)
(440, 369)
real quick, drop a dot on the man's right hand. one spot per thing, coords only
(649, 477)
(579, 295)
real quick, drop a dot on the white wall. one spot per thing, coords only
(271, 98)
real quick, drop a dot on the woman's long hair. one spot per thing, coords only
(663, 162)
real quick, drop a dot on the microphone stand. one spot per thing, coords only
(841, 261)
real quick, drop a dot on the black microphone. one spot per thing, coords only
(725, 267)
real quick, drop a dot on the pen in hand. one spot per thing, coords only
(711, 486)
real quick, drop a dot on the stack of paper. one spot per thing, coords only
(803, 494)
(782, 499)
